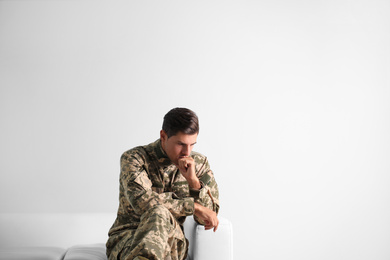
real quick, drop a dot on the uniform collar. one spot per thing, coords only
(162, 157)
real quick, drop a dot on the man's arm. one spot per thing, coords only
(204, 189)
(138, 189)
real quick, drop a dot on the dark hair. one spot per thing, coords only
(180, 120)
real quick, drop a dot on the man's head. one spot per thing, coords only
(180, 120)
(179, 133)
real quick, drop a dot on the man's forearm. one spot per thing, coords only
(194, 183)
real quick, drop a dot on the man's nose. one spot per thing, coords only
(186, 150)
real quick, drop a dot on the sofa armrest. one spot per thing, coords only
(209, 245)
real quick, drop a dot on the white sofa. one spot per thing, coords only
(82, 237)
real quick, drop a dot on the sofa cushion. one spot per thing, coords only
(32, 253)
(86, 252)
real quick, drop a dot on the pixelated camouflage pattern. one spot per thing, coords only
(158, 236)
(148, 180)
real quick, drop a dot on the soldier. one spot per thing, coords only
(160, 184)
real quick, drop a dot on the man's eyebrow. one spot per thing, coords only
(185, 144)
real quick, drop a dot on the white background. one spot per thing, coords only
(293, 100)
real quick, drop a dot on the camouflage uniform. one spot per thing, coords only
(154, 201)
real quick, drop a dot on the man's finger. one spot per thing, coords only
(216, 227)
(208, 227)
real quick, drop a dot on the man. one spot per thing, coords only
(160, 184)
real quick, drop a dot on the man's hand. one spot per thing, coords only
(208, 216)
(187, 169)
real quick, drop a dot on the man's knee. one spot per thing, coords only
(160, 210)
(157, 235)
(161, 219)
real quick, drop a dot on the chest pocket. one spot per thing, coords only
(143, 180)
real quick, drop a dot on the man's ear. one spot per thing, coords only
(163, 135)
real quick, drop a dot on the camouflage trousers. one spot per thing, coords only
(158, 237)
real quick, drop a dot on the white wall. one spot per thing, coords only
(293, 98)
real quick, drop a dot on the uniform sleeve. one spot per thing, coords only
(138, 190)
(208, 195)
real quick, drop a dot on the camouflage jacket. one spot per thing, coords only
(149, 178)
